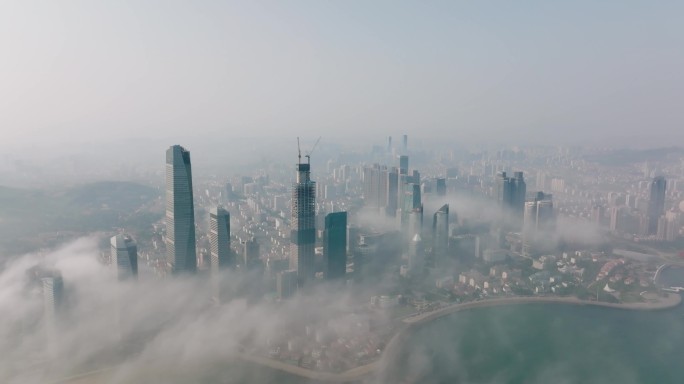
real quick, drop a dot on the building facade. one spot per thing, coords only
(181, 253)
(219, 239)
(124, 257)
(303, 225)
(335, 245)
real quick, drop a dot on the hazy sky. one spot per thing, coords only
(91, 70)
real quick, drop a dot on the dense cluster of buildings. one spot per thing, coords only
(361, 223)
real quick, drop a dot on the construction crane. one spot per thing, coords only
(308, 155)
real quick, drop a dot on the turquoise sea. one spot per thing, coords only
(546, 343)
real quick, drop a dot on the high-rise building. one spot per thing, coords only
(518, 193)
(597, 214)
(440, 233)
(180, 213)
(286, 283)
(251, 253)
(510, 193)
(53, 306)
(404, 146)
(392, 192)
(403, 164)
(335, 245)
(440, 187)
(416, 255)
(124, 257)
(538, 223)
(53, 294)
(303, 224)
(415, 221)
(219, 239)
(656, 204)
(410, 200)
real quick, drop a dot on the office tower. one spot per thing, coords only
(416, 255)
(303, 227)
(539, 213)
(286, 283)
(219, 239)
(53, 306)
(440, 187)
(415, 178)
(250, 253)
(124, 257)
(597, 214)
(392, 192)
(53, 294)
(415, 222)
(410, 200)
(405, 144)
(180, 212)
(503, 190)
(335, 245)
(375, 181)
(614, 219)
(440, 233)
(389, 144)
(353, 234)
(403, 164)
(672, 218)
(518, 192)
(510, 193)
(538, 223)
(656, 204)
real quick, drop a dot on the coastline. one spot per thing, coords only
(412, 323)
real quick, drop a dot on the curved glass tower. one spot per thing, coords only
(180, 213)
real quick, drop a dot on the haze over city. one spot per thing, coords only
(341, 192)
(463, 71)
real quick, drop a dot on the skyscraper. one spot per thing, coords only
(416, 256)
(440, 233)
(415, 222)
(440, 187)
(510, 193)
(503, 189)
(518, 192)
(219, 239)
(303, 224)
(286, 283)
(392, 192)
(538, 223)
(180, 212)
(656, 204)
(335, 245)
(403, 164)
(250, 253)
(124, 257)
(53, 307)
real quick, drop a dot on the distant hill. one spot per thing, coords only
(31, 219)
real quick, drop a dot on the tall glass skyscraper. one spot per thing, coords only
(440, 233)
(656, 204)
(335, 245)
(303, 225)
(124, 257)
(180, 214)
(219, 239)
